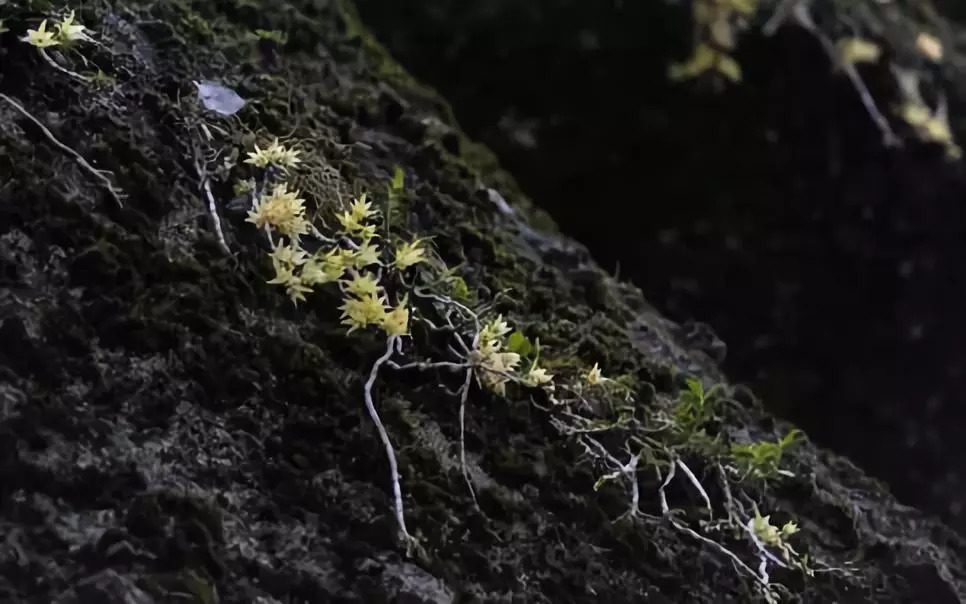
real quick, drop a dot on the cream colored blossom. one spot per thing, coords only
(409, 254)
(68, 31)
(282, 210)
(40, 37)
(359, 313)
(286, 259)
(494, 330)
(366, 255)
(789, 529)
(354, 219)
(538, 377)
(594, 376)
(396, 321)
(274, 155)
(362, 284)
(319, 270)
(496, 369)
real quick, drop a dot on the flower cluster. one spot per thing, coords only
(274, 154)
(65, 33)
(350, 257)
(584, 403)
(496, 364)
(773, 536)
(282, 210)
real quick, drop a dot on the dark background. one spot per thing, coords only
(831, 267)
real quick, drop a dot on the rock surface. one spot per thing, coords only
(769, 208)
(172, 429)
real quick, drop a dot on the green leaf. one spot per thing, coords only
(459, 289)
(395, 198)
(790, 439)
(695, 387)
(518, 343)
(398, 180)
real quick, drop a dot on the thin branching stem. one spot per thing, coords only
(384, 436)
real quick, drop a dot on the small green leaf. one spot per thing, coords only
(518, 343)
(395, 198)
(695, 387)
(398, 180)
(459, 289)
(790, 438)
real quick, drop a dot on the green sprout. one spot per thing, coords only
(695, 406)
(763, 459)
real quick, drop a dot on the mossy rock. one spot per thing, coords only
(172, 427)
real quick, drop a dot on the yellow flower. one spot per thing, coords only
(489, 347)
(283, 210)
(324, 267)
(296, 289)
(506, 362)
(40, 37)
(68, 31)
(285, 259)
(367, 254)
(361, 209)
(538, 377)
(594, 376)
(492, 331)
(314, 273)
(289, 254)
(366, 232)
(495, 369)
(362, 284)
(789, 529)
(409, 254)
(349, 224)
(353, 220)
(766, 532)
(359, 313)
(273, 155)
(396, 321)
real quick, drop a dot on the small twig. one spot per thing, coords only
(77, 156)
(722, 549)
(464, 393)
(387, 444)
(695, 483)
(422, 293)
(662, 496)
(630, 470)
(424, 366)
(799, 11)
(212, 207)
(55, 65)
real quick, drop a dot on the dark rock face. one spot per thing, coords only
(829, 265)
(172, 429)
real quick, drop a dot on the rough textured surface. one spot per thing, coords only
(173, 430)
(829, 264)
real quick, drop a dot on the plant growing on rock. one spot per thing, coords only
(390, 283)
(66, 35)
(718, 23)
